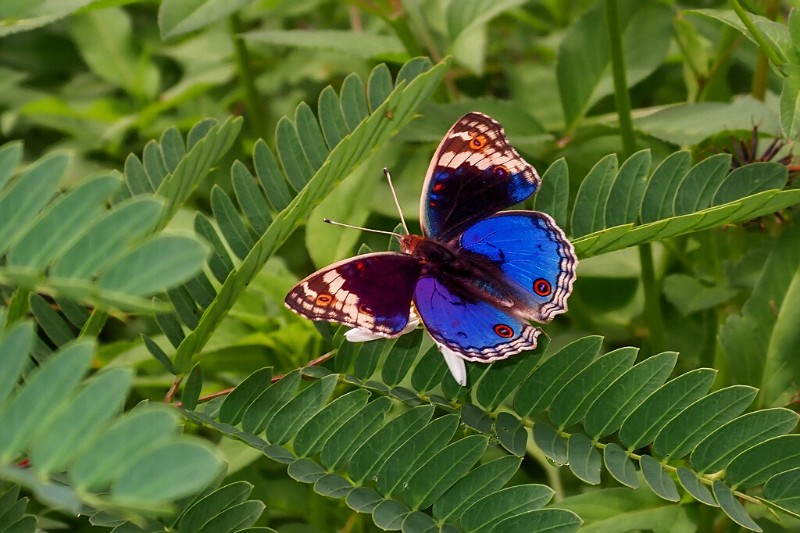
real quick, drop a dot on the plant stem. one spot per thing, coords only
(652, 308)
(755, 33)
(621, 97)
(256, 116)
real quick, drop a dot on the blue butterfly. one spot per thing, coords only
(476, 276)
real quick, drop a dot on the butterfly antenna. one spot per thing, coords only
(334, 223)
(396, 201)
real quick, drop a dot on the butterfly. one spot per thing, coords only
(477, 276)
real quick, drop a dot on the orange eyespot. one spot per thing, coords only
(502, 330)
(438, 187)
(500, 170)
(477, 142)
(542, 287)
(365, 309)
(324, 300)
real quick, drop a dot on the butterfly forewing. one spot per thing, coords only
(474, 173)
(371, 292)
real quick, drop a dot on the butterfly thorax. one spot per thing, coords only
(469, 275)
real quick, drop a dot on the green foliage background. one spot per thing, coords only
(164, 171)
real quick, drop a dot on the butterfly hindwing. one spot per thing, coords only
(372, 292)
(474, 329)
(474, 173)
(533, 254)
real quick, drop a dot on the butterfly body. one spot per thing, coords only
(476, 276)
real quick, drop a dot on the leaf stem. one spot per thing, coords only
(652, 306)
(256, 119)
(757, 36)
(97, 319)
(621, 96)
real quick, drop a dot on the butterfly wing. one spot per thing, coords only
(372, 292)
(534, 255)
(474, 173)
(474, 329)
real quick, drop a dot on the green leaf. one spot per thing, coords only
(104, 460)
(584, 57)
(168, 471)
(762, 461)
(764, 324)
(584, 458)
(696, 422)
(362, 44)
(589, 213)
(261, 411)
(718, 449)
(290, 152)
(400, 465)
(790, 101)
(442, 470)
(647, 420)
(32, 406)
(158, 264)
(27, 195)
(512, 501)
(389, 514)
(252, 201)
(61, 222)
(555, 520)
(552, 444)
(306, 471)
(553, 196)
(271, 179)
(689, 295)
(15, 344)
(575, 398)
(504, 376)
(429, 371)
(354, 101)
(693, 486)
(373, 453)
(212, 504)
(663, 186)
(288, 420)
(334, 127)
(658, 479)
(315, 433)
(731, 506)
(235, 518)
(333, 486)
(192, 387)
(379, 86)
(177, 17)
(50, 321)
(105, 41)
(776, 34)
(619, 465)
(539, 390)
(487, 478)
(107, 237)
(310, 135)
(749, 180)
(401, 357)
(784, 490)
(341, 446)
(363, 499)
(623, 396)
(511, 434)
(627, 191)
(688, 124)
(10, 156)
(230, 225)
(80, 420)
(696, 190)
